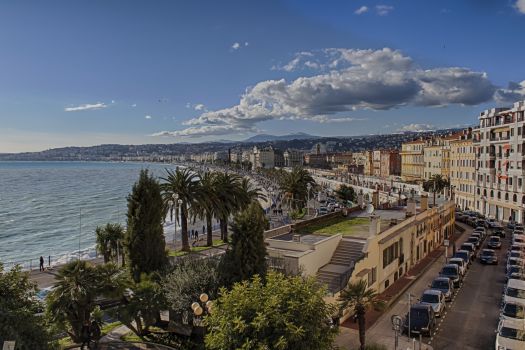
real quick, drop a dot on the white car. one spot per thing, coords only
(515, 262)
(436, 299)
(513, 311)
(514, 292)
(461, 264)
(510, 335)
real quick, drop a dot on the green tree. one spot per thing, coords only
(436, 184)
(346, 193)
(18, 307)
(110, 240)
(359, 298)
(144, 244)
(78, 285)
(246, 256)
(184, 184)
(294, 185)
(230, 197)
(283, 313)
(249, 192)
(207, 203)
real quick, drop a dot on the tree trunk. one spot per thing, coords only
(361, 323)
(209, 230)
(224, 229)
(184, 228)
(434, 198)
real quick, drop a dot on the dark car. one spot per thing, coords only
(516, 254)
(511, 225)
(445, 285)
(499, 233)
(474, 240)
(451, 271)
(515, 271)
(463, 254)
(422, 320)
(488, 256)
(494, 242)
(470, 248)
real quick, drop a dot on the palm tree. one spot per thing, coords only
(78, 285)
(436, 184)
(249, 193)
(230, 199)
(207, 203)
(183, 183)
(295, 186)
(359, 298)
(109, 241)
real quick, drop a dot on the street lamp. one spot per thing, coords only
(202, 307)
(308, 187)
(174, 204)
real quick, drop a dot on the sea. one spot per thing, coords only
(52, 209)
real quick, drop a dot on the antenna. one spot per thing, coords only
(370, 209)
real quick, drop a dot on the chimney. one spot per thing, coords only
(375, 225)
(424, 202)
(375, 199)
(411, 207)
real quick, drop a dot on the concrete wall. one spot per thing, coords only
(320, 256)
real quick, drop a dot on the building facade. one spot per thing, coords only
(390, 163)
(463, 171)
(412, 161)
(293, 158)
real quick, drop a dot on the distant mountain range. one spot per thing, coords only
(289, 137)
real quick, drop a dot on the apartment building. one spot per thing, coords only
(500, 149)
(293, 158)
(263, 158)
(412, 161)
(368, 163)
(463, 170)
(390, 163)
(433, 158)
(376, 163)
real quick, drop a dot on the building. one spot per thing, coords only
(293, 158)
(412, 161)
(278, 158)
(263, 158)
(314, 160)
(500, 150)
(390, 163)
(341, 158)
(433, 158)
(376, 163)
(463, 170)
(368, 168)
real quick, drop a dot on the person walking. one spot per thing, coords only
(41, 263)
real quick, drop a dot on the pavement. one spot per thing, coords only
(379, 326)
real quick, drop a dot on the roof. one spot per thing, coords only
(413, 142)
(514, 283)
(433, 292)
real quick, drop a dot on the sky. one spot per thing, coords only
(91, 72)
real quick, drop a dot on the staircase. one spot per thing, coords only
(336, 273)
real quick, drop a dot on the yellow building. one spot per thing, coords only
(412, 162)
(463, 171)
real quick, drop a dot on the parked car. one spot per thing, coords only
(513, 311)
(434, 298)
(461, 264)
(511, 262)
(517, 276)
(451, 271)
(514, 271)
(510, 335)
(323, 211)
(490, 222)
(445, 285)
(474, 240)
(518, 238)
(463, 254)
(511, 225)
(422, 320)
(494, 242)
(514, 291)
(500, 233)
(469, 247)
(516, 254)
(477, 234)
(488, 256)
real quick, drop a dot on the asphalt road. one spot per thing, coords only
(472, 317)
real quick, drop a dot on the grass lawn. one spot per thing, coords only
(216, 243)
(106, 328)
(345, 226)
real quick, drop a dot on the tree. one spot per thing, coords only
(144, 244)
(229, 195)
(295, 186)
(436, 184)
(184, 184)
(249, 193)
(77, 287)
(18, 307)
(246, 256)
(207, 203)
(110, 241)
(346, 193)
(283, 313)
(359, 298)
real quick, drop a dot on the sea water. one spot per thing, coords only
(47, 208)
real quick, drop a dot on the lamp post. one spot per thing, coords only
(79, 231)
(308, 187)
(201, 308)
(174, 205)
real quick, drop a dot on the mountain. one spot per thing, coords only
(289, 137)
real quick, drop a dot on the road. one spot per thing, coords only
(473, 318)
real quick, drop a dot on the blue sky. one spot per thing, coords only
(92, 72)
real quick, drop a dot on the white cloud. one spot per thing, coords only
(347, 80)
(199, 107)
(246, 43)
(418, 127)
(112, 101)
(383, 10)
(148, 117)
(134, 105)
(520, 6)
(361, 10)
(514, 92)
(86, 107)
(236, 46)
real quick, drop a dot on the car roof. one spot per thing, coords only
(456, 259)
(488, 250)
(421, 306)
(514, 283)
(463, 251)
(442, 279)
(451, 265)
(433, 292)
(515, 324)
(494, 237)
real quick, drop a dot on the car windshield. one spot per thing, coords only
(487, 253)
(494, 239)
(512, 333)
(456, 263)
(514, 262)
(463, 256)
(449, 271)
(418, 314)
(515, 255)
(514, 311)
(472, 239)
(466, 247)
(430, 298)
(439, 284)
(515, 293)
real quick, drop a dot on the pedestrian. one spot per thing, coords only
(196, 235)
(85, 334)
(41, 263)
(203, 230)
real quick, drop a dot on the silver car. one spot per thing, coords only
(434, 298)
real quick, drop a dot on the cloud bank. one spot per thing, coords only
(520, 6)
(361, 10)
(347, 80)
(86, 107)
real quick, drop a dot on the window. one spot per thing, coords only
(372, 276)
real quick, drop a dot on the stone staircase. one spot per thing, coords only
(336, 273)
